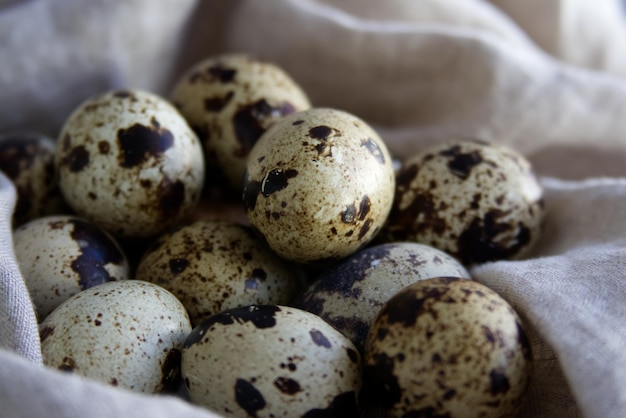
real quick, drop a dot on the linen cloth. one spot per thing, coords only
(545, 77)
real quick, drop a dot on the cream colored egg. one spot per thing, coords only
(319, 185)
(350, 295)
(230, 100)
(446, 347)
(61, 255)
(477, 201)
(127, 334)
(128, 161)
(271, 361)
(212, 266)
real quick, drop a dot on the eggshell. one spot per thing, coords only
(350, 295)
(271, 361)
(446, 347)
(128, 161)
(230, 100)
(319, 185)
(61, 255)
(475, 200)
(127, 334)
(212, 266)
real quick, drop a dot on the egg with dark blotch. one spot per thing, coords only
(349, 295)
(319, 185)
(129, 162)
(271, 361)
(477, 201)
(61, 255)
(212, 266)
(446, 347)
(127, 334)
(230, 100)
(28, 161)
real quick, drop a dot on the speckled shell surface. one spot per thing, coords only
(271, 361)
(212, 266)
(477, 201)
(28, 160)
(59, 256)
(230, 100)
(446, 347)
(319, 185)
(127, 334)
(350, 295)
(128, 161)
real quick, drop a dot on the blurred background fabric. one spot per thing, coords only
(546, 77)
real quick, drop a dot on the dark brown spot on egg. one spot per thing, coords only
(123, 94)
(298, 122)
(251, 121)
(45, 332)
(277, 180)
(365, 228)
(461, 164)
(145, 183)
(349, 214)
(319, 338)
(380, 385)
(76, 159)
(374, 150)
(104, 147)
(287, 386)
(364, 207)
(222, 73)
(217, 104)
(343, 405)
(259, 273)
(352, 355)
(138, 143)
(320, 132)
(419, 216)
(170, 371)
(68, 364)
(171, 197)
(113, 382)
(178, 265)
(499, 382)
(248, 397)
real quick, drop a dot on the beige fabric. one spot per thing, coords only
(545, 78)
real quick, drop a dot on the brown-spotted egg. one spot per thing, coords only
(475, 200)
(349, 295)
(271, 361)
(128, 161)
(446, 347)
(127, 334)
(319, 185)
(28, 160)
(212, 266)
(61, 255)
(230, 100)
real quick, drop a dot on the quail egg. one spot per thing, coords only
(230, 100)
(127, 334)
(319, 185)
(212, 266)
(61, 255)
(28, 160)
(446, 347)
(271, 361)
(477, 201)
(128, 161)
(349, 295)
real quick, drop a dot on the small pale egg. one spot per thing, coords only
(212, 266)
(319, 185)
(446, 347)
(230, 100)
(477, 201)
(350, 295)
(128, 161)
(127, 334)
(271, 361)
(28, 160)
(61, 255)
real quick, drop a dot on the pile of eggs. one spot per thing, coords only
(321, 281)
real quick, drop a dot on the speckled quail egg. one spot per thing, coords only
(61, 255)
(349, 295)
(212, 266)
(28, 160)
(128, 161)
(319, 185)
(271, 361)
(127, 334)
(475, 200)
(446, 347)
(230, 100)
